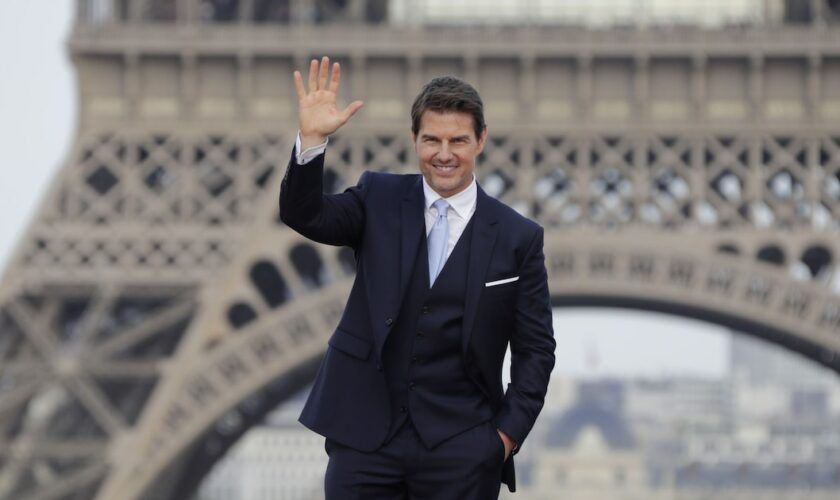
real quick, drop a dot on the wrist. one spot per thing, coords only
(510, 444)
(311, 140)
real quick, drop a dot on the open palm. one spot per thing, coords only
(318, 116)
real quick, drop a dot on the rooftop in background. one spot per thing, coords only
(594, 14)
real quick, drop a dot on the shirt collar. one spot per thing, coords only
(463, 203)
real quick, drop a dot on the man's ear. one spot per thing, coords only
(481, 140)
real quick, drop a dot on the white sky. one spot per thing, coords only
(614, 342)
(37, 121)
(709, 13)
(37, 109)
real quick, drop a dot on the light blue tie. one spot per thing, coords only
(437, 240)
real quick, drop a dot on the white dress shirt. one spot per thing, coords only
(461, 205)
(461, 210)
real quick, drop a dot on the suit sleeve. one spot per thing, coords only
(336, 219)
(531, 347)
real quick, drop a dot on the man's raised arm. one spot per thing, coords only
(332, 219)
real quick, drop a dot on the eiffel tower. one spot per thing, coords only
(157, 308)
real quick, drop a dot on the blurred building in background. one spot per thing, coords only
(599, 449)
(684, 157)
(277, 459)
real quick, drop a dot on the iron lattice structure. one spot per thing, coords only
(157, 308)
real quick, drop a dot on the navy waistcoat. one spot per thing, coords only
(427, 381)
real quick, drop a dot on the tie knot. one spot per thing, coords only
(442, 207)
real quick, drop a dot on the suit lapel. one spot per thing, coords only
(412, 225)
(411, 230)
(386, 294)
(481, 248)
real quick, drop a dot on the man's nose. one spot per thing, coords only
(444, 153)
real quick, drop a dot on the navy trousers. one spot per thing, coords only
(467, 466)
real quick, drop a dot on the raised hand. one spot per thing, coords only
(318, 116)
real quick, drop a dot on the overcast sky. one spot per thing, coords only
(37, 109)
(37, 123)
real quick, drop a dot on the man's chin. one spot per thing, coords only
(447, 189)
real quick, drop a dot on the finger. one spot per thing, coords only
(335, 78)
(351, 109)
(299, 85)
(313, 75)
(323, 72)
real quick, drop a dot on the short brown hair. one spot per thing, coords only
(448, 94)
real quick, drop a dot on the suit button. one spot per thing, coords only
(389, 321)
(420, 334)
(411, 386)
(425, 310)
(379, 367)
(414, 359)
(403, 409)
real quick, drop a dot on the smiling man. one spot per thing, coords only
(409, 395)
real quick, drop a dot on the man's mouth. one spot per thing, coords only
(445, 168)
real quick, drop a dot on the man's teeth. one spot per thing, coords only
(445, 167)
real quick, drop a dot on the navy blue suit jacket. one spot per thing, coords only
(378, 219)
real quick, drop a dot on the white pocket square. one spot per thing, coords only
(501, 282)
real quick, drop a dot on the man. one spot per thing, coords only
(409, 395)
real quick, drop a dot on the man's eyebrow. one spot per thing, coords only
(456, 138)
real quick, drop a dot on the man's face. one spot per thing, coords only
(447, 147)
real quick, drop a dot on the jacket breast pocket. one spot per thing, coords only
(504, 289)
(350, 344)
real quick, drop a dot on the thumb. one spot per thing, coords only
(351, 109)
